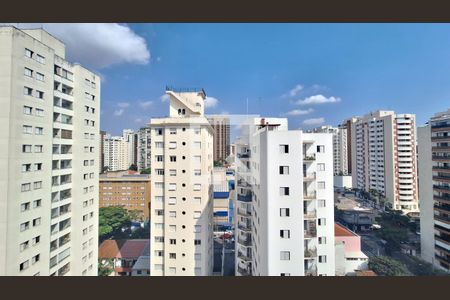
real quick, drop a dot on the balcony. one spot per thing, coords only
(443, 188)
(310, 233)
(442, 219)
(310, 196)
(444, 169)
(441, 149)
(243, 155)
(440, 127)
(442, 239)
(245, 198)
(244, 212)
(311, 214)
(244, 271)
(440, 138)
(442, 199)
(311, 252)
(443, 158)
(243, 183)
(309, 176)
(309, 158)
(245, 241)
(311, 271)
(245, 227)
(442, 178)
(245, 257)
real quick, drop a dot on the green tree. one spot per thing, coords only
(141, 233)
(133, 167)
(387, 266)
(136, 215)
(218, 163)
(145, 171)
(105, 266)
(111, 220)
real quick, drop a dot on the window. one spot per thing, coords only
(26, 187)
(159, 157)
(158, 131)
(172, 186)
(40, 94)
(35, 259)
(320, 167)
(173, 172)
(27, 129)
(159, 185)
(173, 241)
(197, 159)
(285, 274)
(38, 148)
(197, 172)
(24, 226)
(321, 149)
(159, 239)
(28, 53)
(24, 246)
(173, 158)
(172, 200)
(159, 145)
(36, 222)
(26, 168)
(40, 59)
(322, 258)
(40, 76)
(24, 265)
(321, 185)
(284, 212)
(172, 145)
(322, 203)
(197, 214)
(197, 242)
(197, 145)
(197, 187)
(322, 222)
(39, 112)
(27, 110)
(159, 171)
(284, 170)
(28, 91)
(197, 256)
(28, 72)
(322, 240)
(197, 228)
(197, 200)
(39, 130)
(159, 253)
(284, 148)
(24, 206)
(173, 131)
(196, 130)
(37, 203)
(285, 255)
(172, 214)
(285, 234)
(284, 191)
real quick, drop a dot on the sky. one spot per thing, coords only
(313, 74)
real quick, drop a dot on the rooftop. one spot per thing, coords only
(342, 231)
(123, 248)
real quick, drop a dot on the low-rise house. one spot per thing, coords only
(349, 257)
(124, 254)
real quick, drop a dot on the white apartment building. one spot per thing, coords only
(284, 205)
(384, 158)
(340, 155)
(120, 151)
(434, 190)
(49, 158)
(182, 195)
(144, 146)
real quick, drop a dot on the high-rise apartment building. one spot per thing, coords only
(384, 158)
(434, 190)
(182, 195)
(347, 125)
(102, 151)
(221, 127)
(120, 152)
(340, 157)
(144, 146)
(285, 214)
(49, 158)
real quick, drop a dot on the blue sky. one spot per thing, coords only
(282, 68)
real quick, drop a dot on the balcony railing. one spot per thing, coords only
(243, 212)
(441, 157)
(246, 242)
(441, 187)
(244, 272)
(311, 271)
(243, 256)
(310, 195)
(243, 155)
(311, 157)
(442, 219)
(440, 126)
(310, 233)
(310, 214)
(441, 178)
(245, 198)
(309, 176)
(311, 252)
(245, 227)
(440, 148)
(244, 183)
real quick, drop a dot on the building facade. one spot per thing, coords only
(131, 191)
(384, 158)
(434, 187)
(182, 192)
(284, 204)
(221, 127)
(120, 152)
(132, 138)
(144, 146)
(340, 155)
(50, 158)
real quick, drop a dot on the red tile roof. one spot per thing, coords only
(122, 248)
(365, 273)
(342, 231)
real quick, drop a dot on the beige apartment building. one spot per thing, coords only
(221, 127)
(384, 158)
(182, 195)
(49, 158)
(128, 189)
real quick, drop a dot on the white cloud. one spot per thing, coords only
(318, 99)
(299, 112)
(98, 45)
(145, 104)
(164, 98)
(294, 92)
(314, 121)
(211, 102)
(123, 104)
(118, 112)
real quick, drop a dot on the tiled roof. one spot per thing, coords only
(365, 273)
(123, 248)
(342, 231)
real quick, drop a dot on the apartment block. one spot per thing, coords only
(144, 146)
(102, 151)
(347, 125)
(221, 127)
(384, 158)
(120, 152)
(128, 189)
(182, 192)
(340, 155)
(285, 214)
(50, 159)
(132, 138)
(434, 190)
